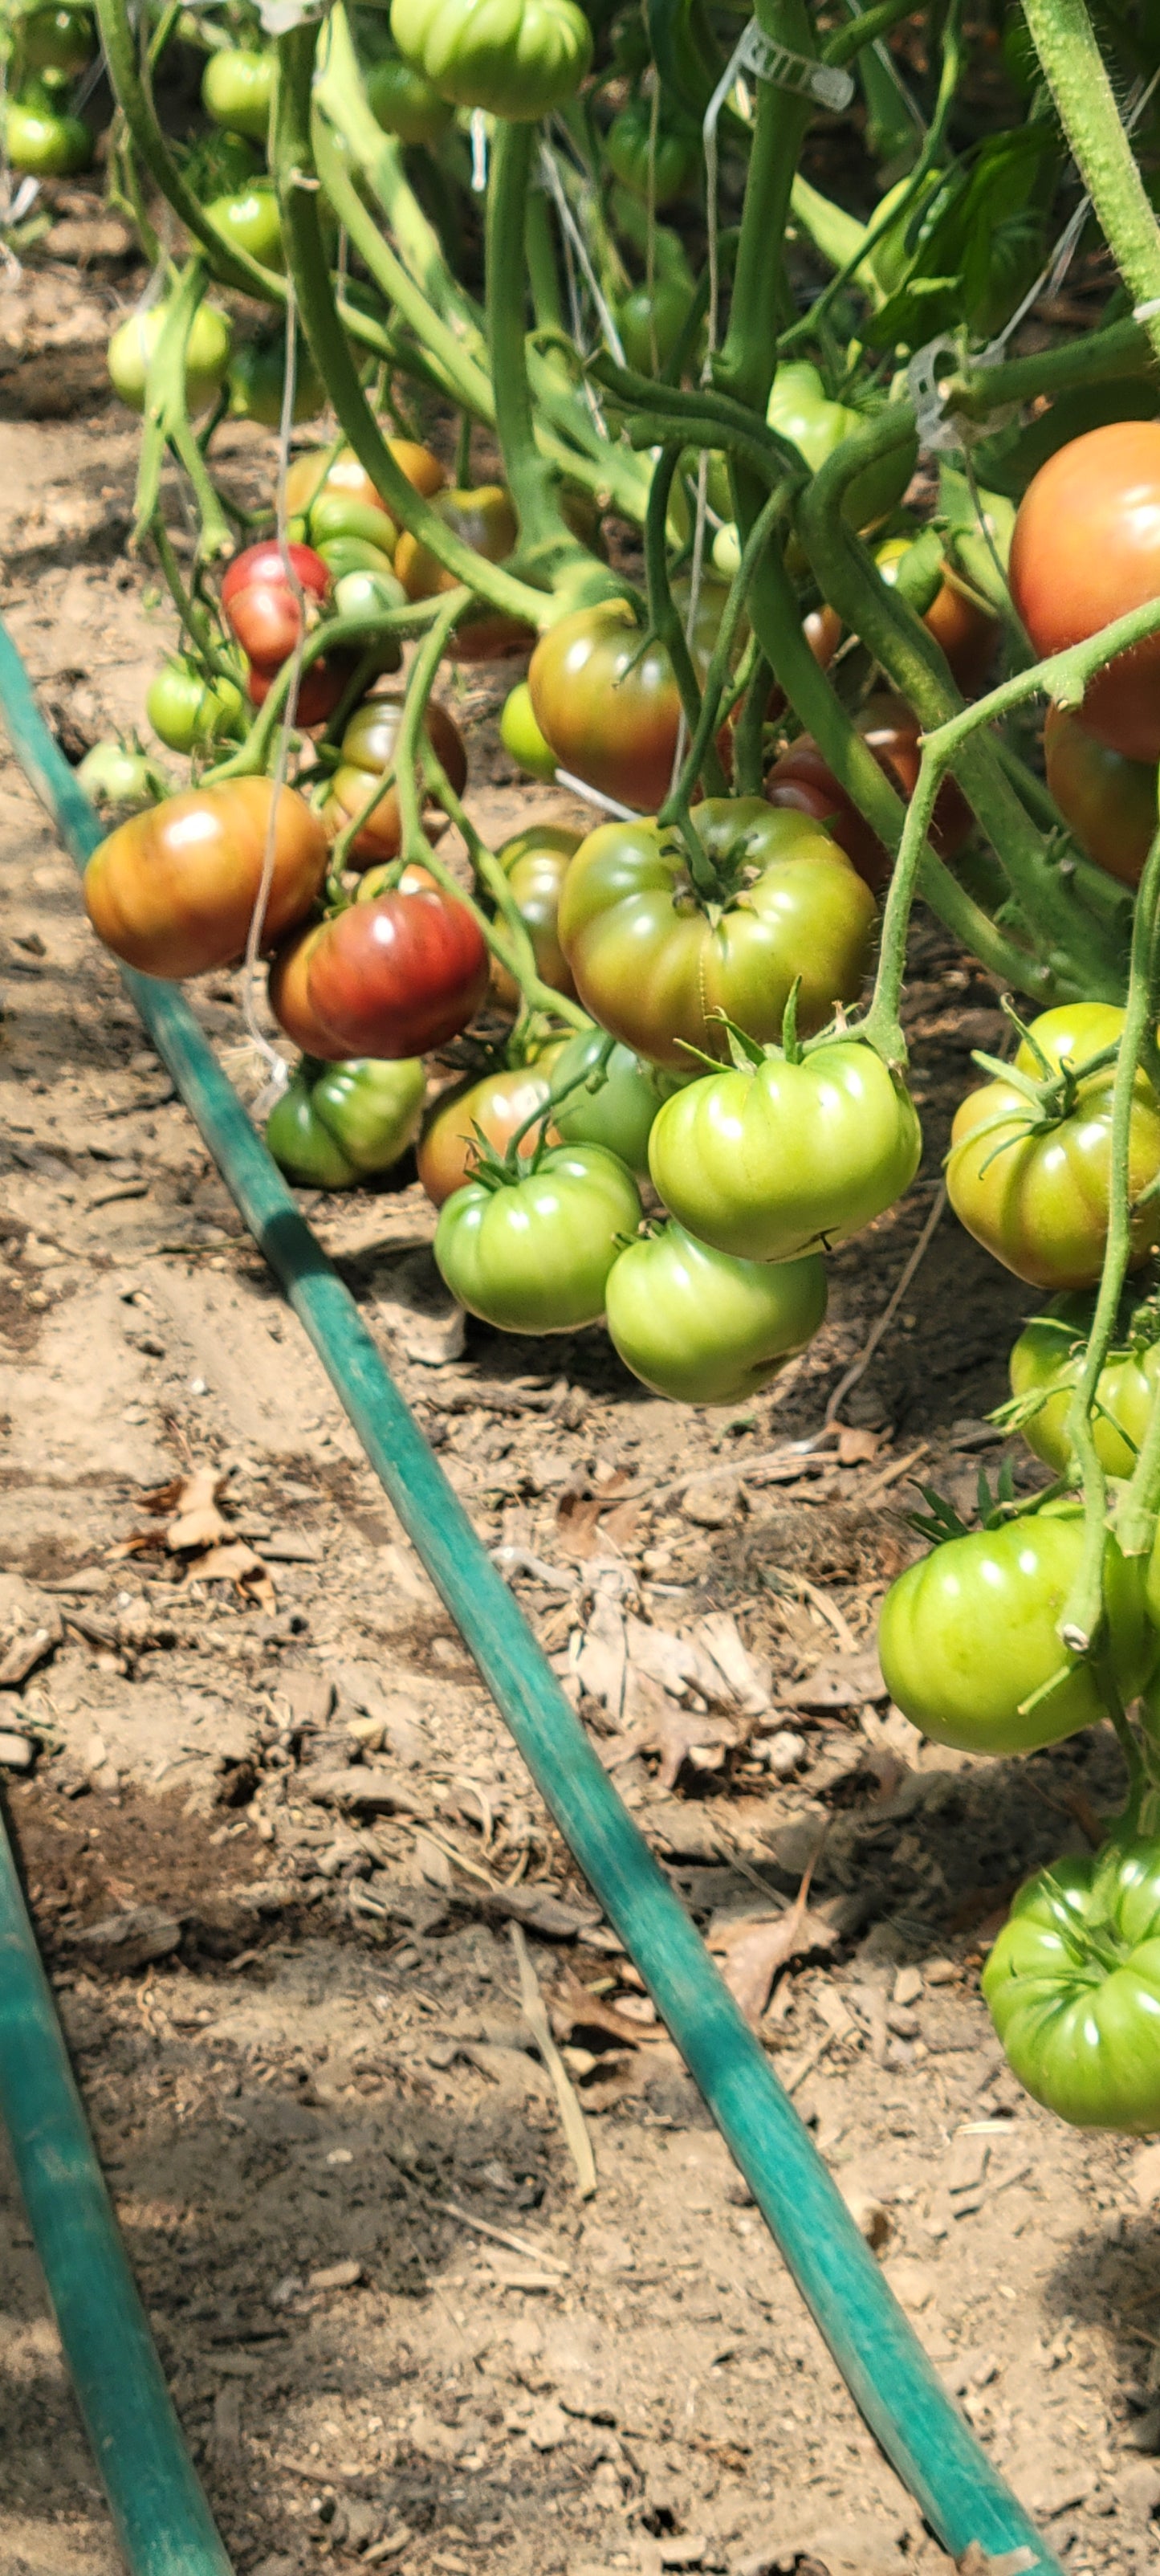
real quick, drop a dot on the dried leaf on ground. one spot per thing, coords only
(839, 1682)
(746, 1676)
(754, 1948)
(678, 1734)
(857, 1448)
(234, 1563)
(601, 1660)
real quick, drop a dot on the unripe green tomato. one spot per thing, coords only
(236, 90)
(800, 409)
(650, 321)
(533, 1256)
(340, 514)
(666, 165)
(703, 1328)
(517, 58)
(616, 1110)
(256, 380)
(727, 550)
(372, 1107)
(302, 1146)
(406, 103)
(250, 221)
(113, 774)
(58, 40)
(1047, 1360)
(39, 140)
(521, 736)
(187, 711)
(367, 590)
(207, 355)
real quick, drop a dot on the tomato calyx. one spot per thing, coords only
(942, 1521)
(496, 1171)
(1051, 1099)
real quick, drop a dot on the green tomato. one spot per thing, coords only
(237, 90)
(58, 40)
(406, 103)
(780, 1158)
(727, 550)
(250, 221)
(518, 58)
(39, 140)
(207, 355)
(969, 1637)
(700, 1327)
(1046, 1363)
(302, 1145)
(372, 1108)
(800, 409)
(650, 321)
(355, 554)
(256, 378)
(618, 1107)
(633, 158)
(187, 711)
(1073, 1986)
(521, 736)
(337, 514)
(533, 1255)
(112, 773)
(367, 590)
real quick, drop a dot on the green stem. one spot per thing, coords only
(746, 363)
(1122, 349)
(463, 378)
(665, 616)
(233, 266)
(1076, 75)
(333, 636)
(718, 672)
(547, 544)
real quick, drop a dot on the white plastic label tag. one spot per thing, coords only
(758, 53)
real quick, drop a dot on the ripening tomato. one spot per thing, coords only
(310, 476)
(172, 891)
(535, 863)
(290, 1001)
(703, 1328)
(783, 1158)
(320, 686)
(606, 702)
(399, 975)
(1037, 1196)
(802, 781)
(237, 89)
(969, 1642)
(1073, 1986)
(485, 520)
(1109, 803)
(1047, 1361)
(368, 752)
(187, 711)
(617, 1105)
(656, 963)
(260, 607)
(207, 355)
(340, 516)
(1086, 549)
(495, 1106)
(355, 1120)
(967, 631)
(533, 1255)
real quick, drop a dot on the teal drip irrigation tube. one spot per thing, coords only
(876, 2350)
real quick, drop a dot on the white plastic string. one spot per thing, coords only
(278, 1071)
(571, 229)
(478, 151)
(592, 796)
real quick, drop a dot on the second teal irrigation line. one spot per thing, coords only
(876, 2350)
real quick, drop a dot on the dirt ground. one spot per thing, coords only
(282, 1855)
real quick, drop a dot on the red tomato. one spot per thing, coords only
(368, 752)
(172, 891)
(967, 634)
(498, 1105)
(290, 1002)
(319, 690)
(397, 976)
(1086, 549)
(1109, 802)
(260, 607)
(801, 779)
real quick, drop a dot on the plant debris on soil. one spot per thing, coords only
(432, 2291)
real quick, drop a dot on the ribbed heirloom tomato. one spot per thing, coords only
(703, 1328)
(654, 960)
(535, 863)
(290, 1001)
(969, 1637)
(533, 1255)
(333, 1128)
(493, 1108)
(1073, 1985)
(519, 58)
(186, 710)
(1110, 802)
(1035, 1191)
(606, 702)
(1086, 549)
(173, 890)
(399, 975)
(1046, 1363)
(367, 753)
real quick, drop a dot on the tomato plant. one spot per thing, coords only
(657, 962)
(207, 355)
(778, 1158)
(535, 863)
(493, 1108)
(59, 40)
(1073, 1986)
(800, 410)
(348, 1123)
(533, 1255)
(290, 1000)
(1110, 803)
(520, 60)
(320, 686)
(367, 753)
(255, 381)
(704, 1328)
(801, 780)
(188, 711)
(617, 1104)
(1086, 549)
(650, 320)
(1045, 1365)
(248, 219)
(237, 89)
(260, 607)
(397, 976)
(172, 891)
(969, 1644)
(116, 773)
(1031, 1181)
(667, 165)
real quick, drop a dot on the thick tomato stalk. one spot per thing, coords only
(969, 1637)
(533, 1255)
(397, 976)
(1073, 1986)
(492, 1108)
(1086, 550)
(656, 961)
(367, 752)
(704, 1328)
(172, 891)
(1034, 1187)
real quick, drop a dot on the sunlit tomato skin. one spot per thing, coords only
(302, 1146)
(780, 1158)
(349, 1123)
(534, 1256)
(801, 781)
(653, 964)
(608, 709)
(1086, 549)
(969, 1643)
(1110, 803)
(290, 1001)
(250, 220)
(42, 141)
(398, 976)
(172, 891)
(1047, 1361)
(617, 1105)
(113, 774)
(259, 605)
(368, 752)
(236, 91)
(517, 58)
(319, 689)
(496, 1106)
(535, 863)
(800, 410)
(485, 519)
(187, 711)
(1040, 1204)
(1073, 1987)
(702, 1328)
(207, 355)
(406, 103)
(521, 736)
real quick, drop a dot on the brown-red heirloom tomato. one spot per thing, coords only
(399, 975)
(319, 688)
(653, 960)
(259, 606)
(1086, 549)
(802, 781)
(485, 519)
(1109, 802)
(368, 752)
(497, 1105)
(172, 891)
(290, 1002)
(608, 705)
(535, 863)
